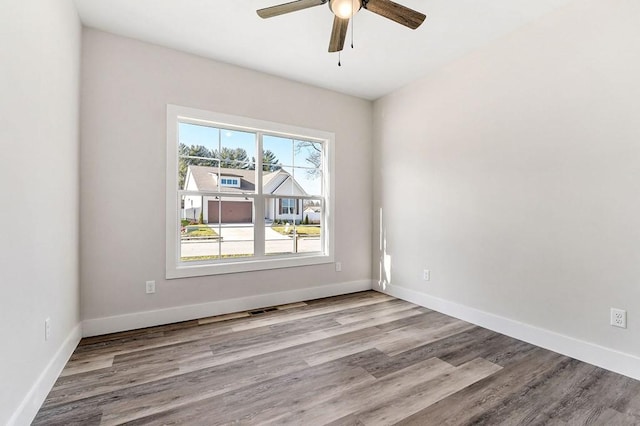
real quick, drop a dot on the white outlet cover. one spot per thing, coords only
(426, 275)
(151, 287)
(338, 266)
(618, 318)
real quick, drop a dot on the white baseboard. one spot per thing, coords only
(98, 326)
(610, 359)
(32, 402)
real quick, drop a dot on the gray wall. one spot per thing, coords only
(126, 86)
(39, 74)
(513, 175)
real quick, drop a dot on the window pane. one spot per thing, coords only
(285, 184)
(226, 231)
(196, 148)
(278, 238)
(237, 150)
(235, 219)
(280, 148)
(236, 156)
(281, 215)
(293, 226)
(308, 154)
(310, 230)
(198, 240)
(237, 239)
(309, 181)
(270, 162)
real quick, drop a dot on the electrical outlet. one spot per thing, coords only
(426, 275)
(338, 266)
(618, 318)
(47, 328)
(151, 287)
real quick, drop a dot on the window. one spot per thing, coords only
(245, 195)
(288, 206)
(229, 182)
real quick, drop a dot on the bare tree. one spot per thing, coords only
(313, 158)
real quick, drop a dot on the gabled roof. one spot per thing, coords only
(206, 178)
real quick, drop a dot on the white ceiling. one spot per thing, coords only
(386, 56)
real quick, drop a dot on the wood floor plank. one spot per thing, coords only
(630, 403)
(351, 347)
(86, 365)
(609, 389)
(265, 399)
(174, 391)
(600, 416)
(426, 317)
(411, 338)
(391, 343)
(411, 400)
(80, 418)
(261, 322)
(151, 341)
(347, 298)
(465, 341)
(171, 395)
(270, 344)
(483, 396)
(538, 401)
(362, 397)
(220, 318)
(297, 352)
(362, 358)
(374, 311)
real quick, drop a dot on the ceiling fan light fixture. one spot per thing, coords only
(345, 9)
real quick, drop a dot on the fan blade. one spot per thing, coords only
(396, 12)
(338, 34)
(293, 6)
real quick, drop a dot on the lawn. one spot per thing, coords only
(302, 230)
(200, 231)
(213, 257)
(224, 256)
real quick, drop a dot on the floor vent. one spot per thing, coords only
(246, 314)
(262, 311)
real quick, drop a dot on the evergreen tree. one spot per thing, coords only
(269, 162)
(232, 158)
(198, 155)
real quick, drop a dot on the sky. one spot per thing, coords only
(283, 148)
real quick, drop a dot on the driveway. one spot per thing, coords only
(244, 232)
(238, 239)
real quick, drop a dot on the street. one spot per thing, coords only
(238, 240)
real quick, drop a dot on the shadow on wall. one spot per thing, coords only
(384, 261)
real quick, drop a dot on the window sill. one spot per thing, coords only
(203, 269)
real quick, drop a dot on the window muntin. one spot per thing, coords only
(251, 220)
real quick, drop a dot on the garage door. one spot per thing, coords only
(232, 211)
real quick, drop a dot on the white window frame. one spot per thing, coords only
(177, 269)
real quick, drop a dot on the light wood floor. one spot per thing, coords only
(364, 358)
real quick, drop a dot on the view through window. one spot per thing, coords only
(247, 195)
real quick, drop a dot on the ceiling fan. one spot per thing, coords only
(344, 11)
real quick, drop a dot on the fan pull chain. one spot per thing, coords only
(353, 20)
(339, 64)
